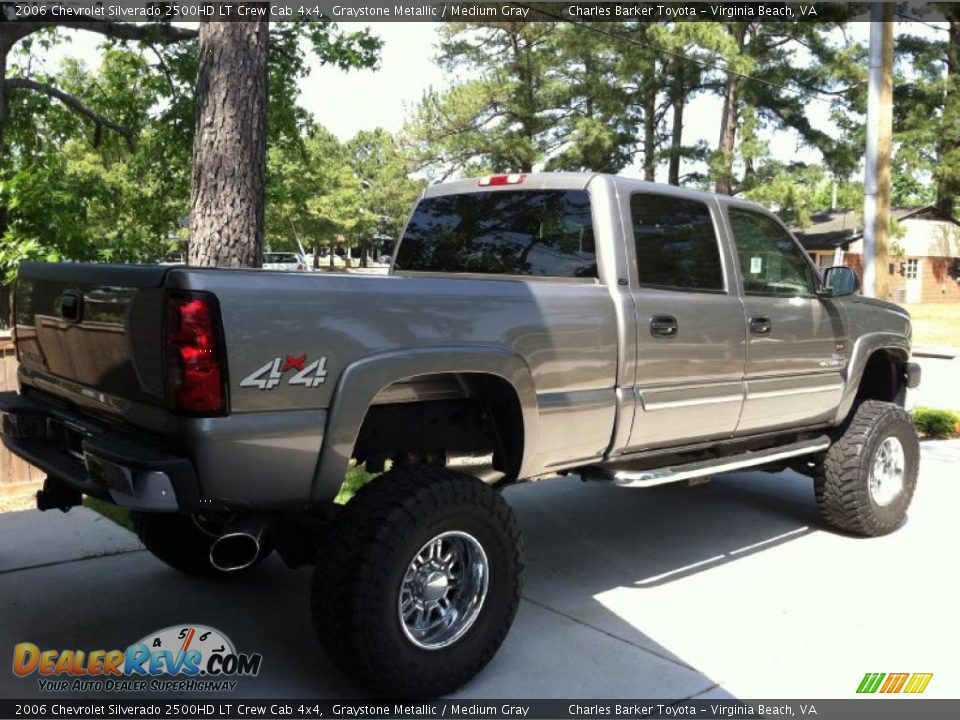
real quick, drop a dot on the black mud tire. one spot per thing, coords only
(180, 543)
(842, 479)
(361, 562)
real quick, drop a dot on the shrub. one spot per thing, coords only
(936, 423)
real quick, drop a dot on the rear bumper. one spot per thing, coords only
(96, 458)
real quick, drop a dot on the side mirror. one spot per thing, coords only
(840, 280)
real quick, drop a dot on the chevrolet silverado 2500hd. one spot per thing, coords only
(628, 332)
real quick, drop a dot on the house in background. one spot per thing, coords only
(924, 264)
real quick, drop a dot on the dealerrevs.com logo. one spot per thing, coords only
(176, 659)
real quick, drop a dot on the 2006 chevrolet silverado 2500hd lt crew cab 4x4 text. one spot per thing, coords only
(628, 332)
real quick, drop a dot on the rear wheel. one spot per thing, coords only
(867, 478)
(418, 581)
(183, 541)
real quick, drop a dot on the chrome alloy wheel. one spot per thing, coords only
(887, 473)
(443, 590)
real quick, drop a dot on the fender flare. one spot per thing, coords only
(864, 347)
(360, 382)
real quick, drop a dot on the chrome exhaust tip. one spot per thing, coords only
(238, 546)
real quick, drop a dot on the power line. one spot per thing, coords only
(910, 18)
(811, 94)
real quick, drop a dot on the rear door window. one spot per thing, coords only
(545, 233)
(675, 243)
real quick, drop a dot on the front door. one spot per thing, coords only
(796, 348)
(913, 277)
(690, 339)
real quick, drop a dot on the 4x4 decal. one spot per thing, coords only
(270, 375)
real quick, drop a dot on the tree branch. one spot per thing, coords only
(71, 102)
(116, 29)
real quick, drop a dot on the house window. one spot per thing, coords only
(912, 267)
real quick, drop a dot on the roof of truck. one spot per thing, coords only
(567, 181)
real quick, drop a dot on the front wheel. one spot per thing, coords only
(867, 479)
(418, 581)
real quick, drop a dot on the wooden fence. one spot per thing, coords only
(15, 474)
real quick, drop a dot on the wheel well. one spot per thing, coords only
(882, 378)
(433, 417)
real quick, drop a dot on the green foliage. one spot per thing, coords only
(389, 192)
(356, 478)
(79, 195)
(595, 85)
(75, 189)
(503, 118)
(795, 190)
(311, 192)
(323, 193)
(937, 423)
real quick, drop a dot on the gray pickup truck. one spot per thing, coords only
(627, 332)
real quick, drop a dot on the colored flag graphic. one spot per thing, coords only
(894, 683)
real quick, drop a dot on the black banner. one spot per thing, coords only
(347, 11)
(233, 709)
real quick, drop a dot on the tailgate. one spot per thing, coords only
(92, 333)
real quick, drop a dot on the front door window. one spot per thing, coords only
(771, 263)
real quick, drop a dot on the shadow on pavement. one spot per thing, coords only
(586, 544)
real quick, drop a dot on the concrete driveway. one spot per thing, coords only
(727, 589)
(938, 385)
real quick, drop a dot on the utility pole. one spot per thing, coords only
(877, 185)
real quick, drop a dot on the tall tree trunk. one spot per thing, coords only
(229, 149)
(948, 150)
(728, 136)
(676, 130)
(4, 51)
(5, 306)
(649, 132)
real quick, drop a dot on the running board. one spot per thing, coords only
(713, 466)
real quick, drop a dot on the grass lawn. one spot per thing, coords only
(935, 324)
(119, 515)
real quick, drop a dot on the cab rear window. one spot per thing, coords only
(546, 233)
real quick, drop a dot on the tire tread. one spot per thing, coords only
(841, 490)
(356, 550)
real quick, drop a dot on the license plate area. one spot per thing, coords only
(66, 435)
(73, 439)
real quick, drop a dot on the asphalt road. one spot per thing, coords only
(730, 589)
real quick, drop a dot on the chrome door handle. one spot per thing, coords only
(760, 325)
(664, 326)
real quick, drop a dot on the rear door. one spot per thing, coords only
(691, 337)
(796, 349)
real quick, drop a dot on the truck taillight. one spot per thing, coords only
(193, 351)
(492, 180)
